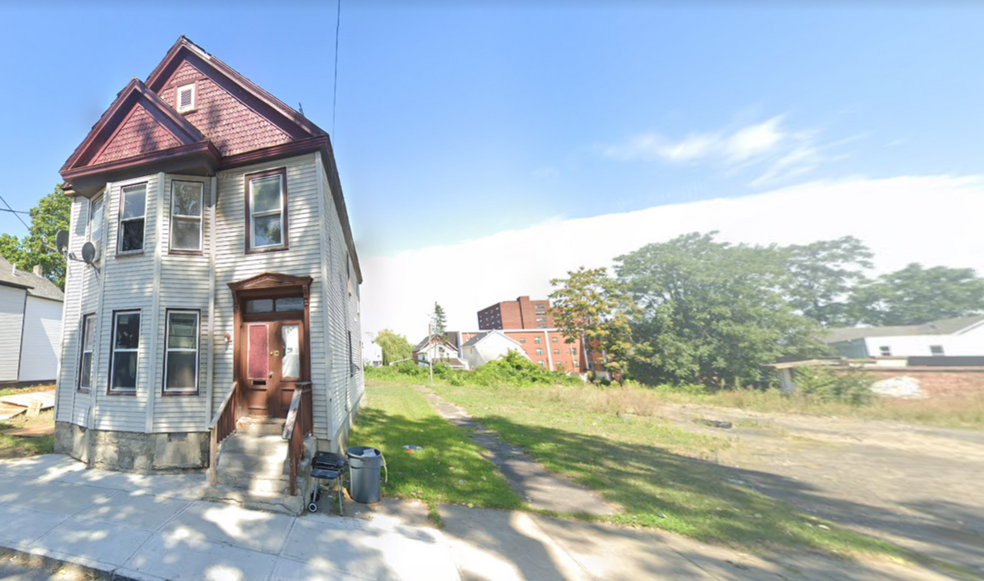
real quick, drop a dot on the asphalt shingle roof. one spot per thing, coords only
(37, 286)
(940, 327)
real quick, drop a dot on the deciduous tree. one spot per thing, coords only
(823, 276)
(395, 347)
(916, 295)
(711, 312)
(593, 309)
(37, 247)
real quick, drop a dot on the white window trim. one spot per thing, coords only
(168, 349)
(199, 218)
(86, 321)
(119, 226)
(253, 214)
(113, 350)
(177, 98)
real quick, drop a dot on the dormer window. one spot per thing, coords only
(186, 98)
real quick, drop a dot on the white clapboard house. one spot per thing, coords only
(214, 320)
(30, 326)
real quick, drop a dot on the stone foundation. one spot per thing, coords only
(132, 451)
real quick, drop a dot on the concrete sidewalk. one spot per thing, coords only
(154, 527)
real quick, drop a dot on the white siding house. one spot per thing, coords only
(957, 337)
(225, 272)
(489, 346)
(30, 327)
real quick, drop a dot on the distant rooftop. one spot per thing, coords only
(940, 327)
(36, 286)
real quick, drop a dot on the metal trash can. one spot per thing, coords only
(364, 465)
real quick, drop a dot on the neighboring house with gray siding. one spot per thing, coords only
(30, 327)
(225, 275)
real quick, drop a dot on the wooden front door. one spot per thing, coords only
(274, 365)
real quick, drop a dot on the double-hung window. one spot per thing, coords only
(133, 207)
(95, 223)
(123, 359)
(266, 211)
(85, 360)
(186, 216)
(181, 352)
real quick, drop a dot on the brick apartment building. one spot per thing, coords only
(531, 324)
(545, 347)
(521, 313)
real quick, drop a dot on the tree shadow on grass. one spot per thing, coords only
(734, 506)
(449, 468)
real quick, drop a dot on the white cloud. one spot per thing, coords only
(933, 220)
(769, 148)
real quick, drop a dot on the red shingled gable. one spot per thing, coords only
(140, 133)
(137, 124)
(226, 120)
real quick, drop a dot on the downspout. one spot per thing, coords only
(155, 309)
(210, 345)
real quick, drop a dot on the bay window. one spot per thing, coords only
(186, 216)
(181, 352)
(124, 352)
(133, 207)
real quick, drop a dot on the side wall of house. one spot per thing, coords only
(302, 259)
(11, 321)
(343, 348)
(81, 296)
(42, 339)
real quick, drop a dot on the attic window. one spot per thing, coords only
(186, 98)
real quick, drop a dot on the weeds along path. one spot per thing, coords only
(541, 489)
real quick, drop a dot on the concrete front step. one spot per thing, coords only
(260, 427)
(269, 501)
(264, 466)
(255, 445)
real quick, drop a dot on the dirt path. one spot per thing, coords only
(919, 487)
(541, 489)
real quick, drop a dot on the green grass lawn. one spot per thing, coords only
(661, 476)
(449, 469)
(959, 411)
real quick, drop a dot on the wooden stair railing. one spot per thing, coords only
(300, 420)
(223, 424)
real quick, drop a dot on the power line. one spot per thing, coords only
(334, 91)
(15, 213)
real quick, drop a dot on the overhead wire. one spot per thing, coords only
(15, 213)
(334, 91)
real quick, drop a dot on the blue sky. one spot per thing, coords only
(455, 122)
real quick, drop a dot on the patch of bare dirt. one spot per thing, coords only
(917, 486)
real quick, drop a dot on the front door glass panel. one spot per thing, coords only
(291, 361)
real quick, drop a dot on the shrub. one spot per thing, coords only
(846, 385)
(411, 369)
(514, 369)
(687, 388)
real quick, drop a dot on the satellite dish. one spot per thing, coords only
(88, 252)
(61, 241)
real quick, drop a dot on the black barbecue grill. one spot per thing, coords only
(327, 466)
